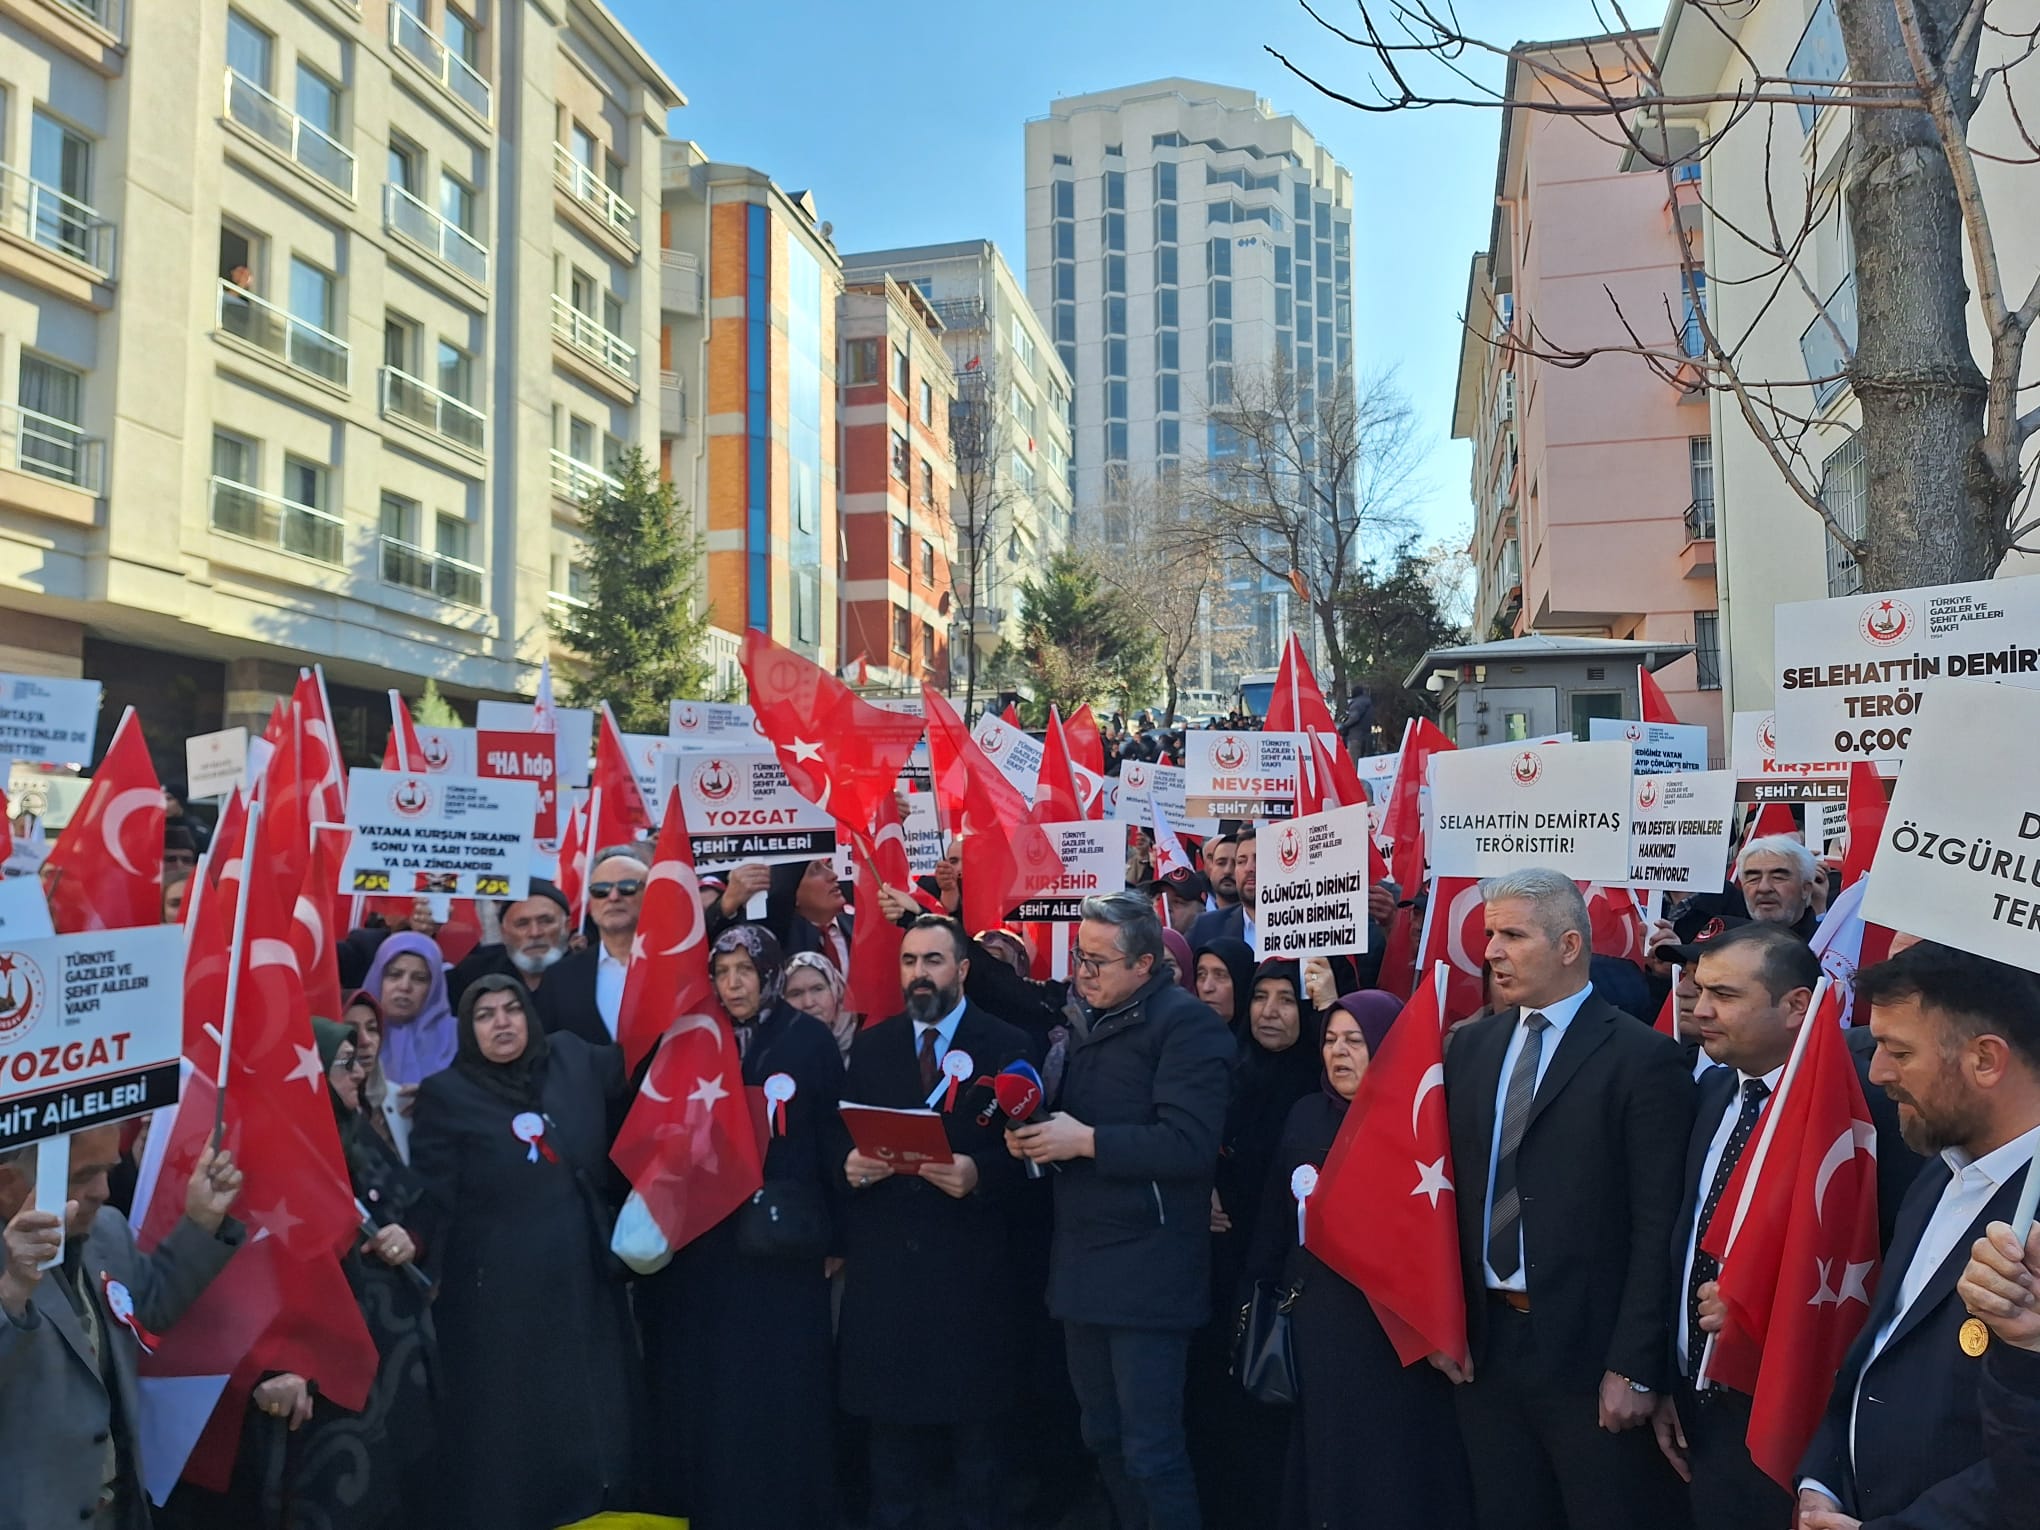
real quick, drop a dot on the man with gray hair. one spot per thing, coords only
(1134, 1138)
(1776, 874)
(585, 991)
(1568, 1120)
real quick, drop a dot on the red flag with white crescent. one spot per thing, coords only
(105, 871)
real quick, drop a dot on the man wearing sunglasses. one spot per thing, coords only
(582, 994)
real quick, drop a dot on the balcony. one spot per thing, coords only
(575, 480)
(1696, 558)
(1827, 357)
(561, 606)
(62, 225)
(413, 568)
(585, 334)
(51, 448)
(418, 403)
(679, 282)
(272, 521)
(293, 138)
(411, 40)
(430, 234)
(672, 405)
(296, 343)
(585, 186)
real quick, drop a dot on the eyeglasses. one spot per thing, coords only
(350, 1064)
(628, 889)
(1091, 966)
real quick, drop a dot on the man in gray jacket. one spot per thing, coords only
(70, 1335)
(1135, 1138)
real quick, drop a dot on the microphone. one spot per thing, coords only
(1017, 1095)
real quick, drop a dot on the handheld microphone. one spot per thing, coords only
(1017, 1095)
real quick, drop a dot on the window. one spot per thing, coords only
(307, 483)
(1168, 437)
(1844, 494)
(1115, 441)
(51, 445)
(927, 560)
(1065, 282)
(463, 38)
(900, 376)
(1700, 471)
(318, 100)
(1707, 648)
(457, 202)
(902, 631)
(1165, 181)
(927, 402)
(860, 362)
(1064, 196)
(399, 517)
(1165, 223)
(59, 158)
(1062, 159)
(1220, 254)
(238, 257)
(1165, 268)
(1819, 56)
(1168, 393)
(581, 440)
(233, 458)
(928, 644)
(400, 343)
(249, 49)
(899, 456)
(1587, 705)
(1115, 190)
(1166, 350)
(902, 541)
(1115, 399)
(454, 538)
(311, 294)
(581, 293)
(927, 483)
(1023, 473)
(406, 168)
(1023, 413)
(456, 373)
(1221, 300)
(1115, 231)
(1115, 358)
(586, 151)
(1115, 273)
(1023, 346)
(612, 313)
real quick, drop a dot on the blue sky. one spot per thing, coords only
(906, 122)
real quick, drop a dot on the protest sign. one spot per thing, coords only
(1141, 783)
(741, 808)
(1659, 748)
(1313, 884)
(447, 751)
(1761, 776)
(924, 835)
(644, 751)
(24, 910)
(422, 834)
(48, 722)
(1959, 860)
(713, 725)
(1239, 775)
(521, 757)
(1016, 752)
(1850, 674)
(90, 1029)
(1094, 861)
(1377, 774)
(215, 763)
(575, 725)
(1678, 837)
(1562, 806)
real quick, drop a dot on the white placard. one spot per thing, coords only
(924, 835)
(1239, 775)
(90, 1029)
(645, 751)
(1017, 753)
(1141, 783)
(420, 834)
(1094, 861)
(215, 763)
(48, 722)
(447, 751)
(24, 910)
(1312, 878)
(1561, 806)
(742, 810)
(1760, 776)
(1959, 860)
(713, 725)
(1678, 837)
(575, 725)
(1377, 774)
(1851, 673)
(1659, 748)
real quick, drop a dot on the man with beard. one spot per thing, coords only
(1776, 875)
(1236, 922)
(534, 939)
(1958, 1047)
(927, 1270)
(1218, 868)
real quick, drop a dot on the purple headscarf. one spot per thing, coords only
(414, 1050)
(1186, 964)
(1374, 1011)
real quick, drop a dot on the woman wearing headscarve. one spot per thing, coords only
(814, 987)
(1374, 1444)
(534, 1332)
(381, 1105)
(736, 1327)
(1223, 977)
(408, 980)
(1179, 953)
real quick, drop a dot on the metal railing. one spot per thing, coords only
(411, 567)
(295, 342)
(672, 404)
(45, 216)
(1827, 359)
(584, 332)
(289, 134)
(560, 600)
(418, 225)
(410, 398)
(51, 448)
(277, 522)
(584, 185)
(456, 76)
(679, 282)
(574, 479)
(1700, 521)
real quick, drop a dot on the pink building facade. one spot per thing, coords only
(1592, 484)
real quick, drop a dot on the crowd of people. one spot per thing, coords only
(1054, 1314)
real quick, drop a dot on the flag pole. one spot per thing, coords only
(588, 850)
(397, 730)
(339, 776)
(2029, 1202)
(250, 845)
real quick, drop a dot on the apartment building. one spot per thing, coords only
(1015, 481)
(300, 359)
(1178, 233)
(752, 279)
(1593, 488)
(898, 480)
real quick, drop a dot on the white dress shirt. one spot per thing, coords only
(1708, 1165)
(609, 974)
(1558, 1016)
(1250, 932)
(944, 1029)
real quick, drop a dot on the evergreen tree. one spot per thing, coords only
(434, 710)
(1081, 642)
(639, 637)
(1392, 615)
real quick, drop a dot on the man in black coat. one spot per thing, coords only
(582, 994)
(1755, 985)
(927, 1271)
(806, 909)
(1569, 1121)
(1238, 921)
(1134, 1140)
(534, 942)
(1958, 1047)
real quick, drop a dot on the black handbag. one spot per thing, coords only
(784, 1219)
(1263, 1357)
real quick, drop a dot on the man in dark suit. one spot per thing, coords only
(1238, 921)
(927, 1268)
(1755, 984)
(1958, 1047)
(581, 995)
(805, 908)
(534, 941)
(1568, 1120)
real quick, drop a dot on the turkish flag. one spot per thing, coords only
(284, 792)
(1867, 807)
(1403, 823)
(545, 718)
(1056, 797)
(1796, 1233)
(1383, 1214)
(1455, 933)
(839, 752)
(1007, 859)
(105, 871)
(1297, 705)
(1171, 859)
(1774, 818)
(573, 863)
(1667, 1023)
(1011, 715)
(1326, 779)
(1656, 709)
(1087, 745)
(319, 751)
(1617, 923)
(881, 858)
(616, 808)
(314, 933)
(402, 751)
(689, 1146)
